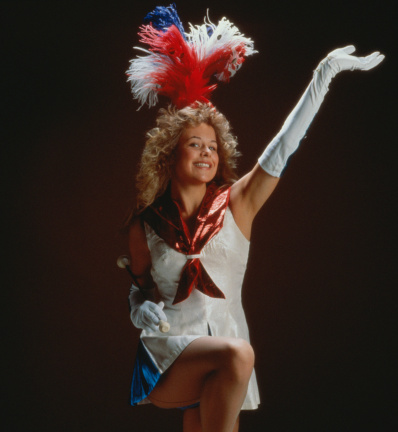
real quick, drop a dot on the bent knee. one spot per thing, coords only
(239, 357)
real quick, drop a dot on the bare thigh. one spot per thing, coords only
(182, 383)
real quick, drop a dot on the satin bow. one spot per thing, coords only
(164, 217)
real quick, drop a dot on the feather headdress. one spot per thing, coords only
(180, 65)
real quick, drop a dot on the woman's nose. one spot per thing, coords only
(205, 149)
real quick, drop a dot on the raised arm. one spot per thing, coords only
(250, 193)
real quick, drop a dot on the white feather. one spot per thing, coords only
(143, 87)
(225, 34)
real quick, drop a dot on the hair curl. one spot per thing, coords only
(158, 157)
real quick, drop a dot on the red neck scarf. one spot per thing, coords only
(164, 217)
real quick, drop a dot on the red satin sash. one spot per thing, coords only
(164, 217)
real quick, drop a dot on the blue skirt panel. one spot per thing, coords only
(145, 376)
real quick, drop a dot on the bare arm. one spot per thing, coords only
(248, 195)
(253, 190)
(144, 312)
(140, 256)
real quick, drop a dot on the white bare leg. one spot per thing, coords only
(214, 371)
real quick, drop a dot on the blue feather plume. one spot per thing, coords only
(163, 17)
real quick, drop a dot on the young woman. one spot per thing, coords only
(189, 243)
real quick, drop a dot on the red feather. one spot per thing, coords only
(184, 77)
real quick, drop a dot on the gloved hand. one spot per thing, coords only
(285, 143)
(341, 59)
(145, 314)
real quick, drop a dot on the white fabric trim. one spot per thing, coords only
(193, 256)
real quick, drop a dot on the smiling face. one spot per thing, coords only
(196, 155)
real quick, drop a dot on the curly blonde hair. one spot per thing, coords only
(158, 157)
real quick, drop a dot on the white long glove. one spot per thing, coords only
(145, 314)
(274, 158)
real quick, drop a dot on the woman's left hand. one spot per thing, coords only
(342, 59)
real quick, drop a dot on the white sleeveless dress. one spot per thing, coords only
(224, 258)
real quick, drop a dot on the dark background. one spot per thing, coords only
(320, 285)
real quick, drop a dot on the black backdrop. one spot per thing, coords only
(319, 286)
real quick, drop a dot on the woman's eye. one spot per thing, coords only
(194, 144)
(213, 148)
